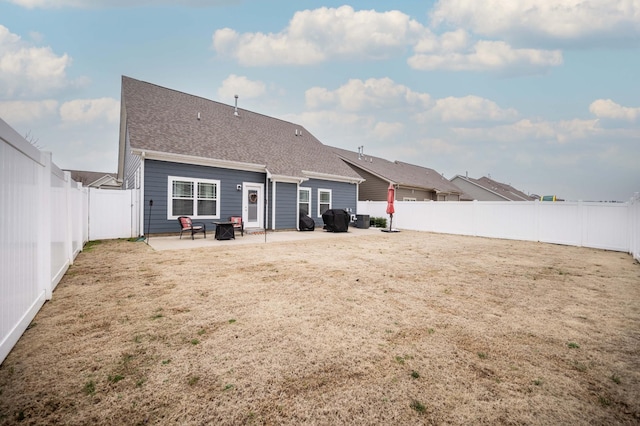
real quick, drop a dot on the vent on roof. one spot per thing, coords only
(198, 116)
(235, 112)
(298, 132)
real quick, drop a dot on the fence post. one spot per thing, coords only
(44, 240)
(68, 243)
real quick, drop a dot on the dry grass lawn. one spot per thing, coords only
(406, 328)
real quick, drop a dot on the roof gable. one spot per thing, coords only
(172, 122)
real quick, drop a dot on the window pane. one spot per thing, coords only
(304, 196)
(325, 197)
(207, 190)
(304, 208)
(324, 208)
(206, 207)
(182, 189)
(182, 207)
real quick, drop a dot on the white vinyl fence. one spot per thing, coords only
(610, 226)
(42, 230)
(45, 223)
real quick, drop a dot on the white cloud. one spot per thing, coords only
(359, 95)
(560, 132)
(83, 111)
(550, 19)
(386, 131)
(487, 56)
(26, 70)
(606, 108)
(470, 109)
(314, 36)
(19, 112)
(241, 86)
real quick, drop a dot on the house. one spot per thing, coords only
(191, 156)
(412, 183)
(487, 189)
(96, 179)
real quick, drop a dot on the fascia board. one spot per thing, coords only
(336, 178)
(199, 161)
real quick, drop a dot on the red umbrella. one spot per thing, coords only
(391, 197)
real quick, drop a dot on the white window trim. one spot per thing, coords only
(330, 199)
(301, 188)
(409, 199)
(195, 181)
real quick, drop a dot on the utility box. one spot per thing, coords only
(362, 221)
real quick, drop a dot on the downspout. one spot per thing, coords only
(273, 205)
(141, 199)
(266, 200)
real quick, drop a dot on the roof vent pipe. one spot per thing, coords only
(198, 116)
(235, 112)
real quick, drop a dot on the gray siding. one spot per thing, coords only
(156, 175)
(131, 164)
(286, 205)
(343, 196)
(418, 194)
(373, 188)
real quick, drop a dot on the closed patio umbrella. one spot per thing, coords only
(391, 197)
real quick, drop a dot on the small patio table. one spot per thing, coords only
(224, 231)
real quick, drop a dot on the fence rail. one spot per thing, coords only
(609, 226)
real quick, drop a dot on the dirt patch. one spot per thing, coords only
(406, 328)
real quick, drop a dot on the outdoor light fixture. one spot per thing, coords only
(239, 187)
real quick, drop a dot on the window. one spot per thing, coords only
(324, 201)
(193, 197)
(409, 199)
(304, 201)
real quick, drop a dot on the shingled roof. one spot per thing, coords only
(508, 192)
(161, 120)
(398, 172)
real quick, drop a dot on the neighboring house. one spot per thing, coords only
(412, 183)
(195, 157)
(96, 179)
(486, 189)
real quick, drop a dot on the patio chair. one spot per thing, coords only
(194, 227)
(237, 224)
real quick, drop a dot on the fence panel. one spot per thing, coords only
(37, 237)
(110, 214)
(610, 226)
(22, 291)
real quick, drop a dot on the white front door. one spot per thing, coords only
(253, 205)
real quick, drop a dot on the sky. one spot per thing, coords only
(540, 94)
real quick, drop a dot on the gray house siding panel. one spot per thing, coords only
(286, 205)
(343, 196)
(131, 165)
(373, 188)
(418, 194)
(156, 176)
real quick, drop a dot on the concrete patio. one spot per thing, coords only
(174, 242)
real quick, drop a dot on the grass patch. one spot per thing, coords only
(90, 387)
(90, 245)
(573, 345)
(195, 341)
(415, 374)
(399, 360)
(115, 379)
(418, 406)
(616, 379)
(482, 355)
(201, 331)
(166, 361)
(231, 321)
(228, 386)
(193, 380)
